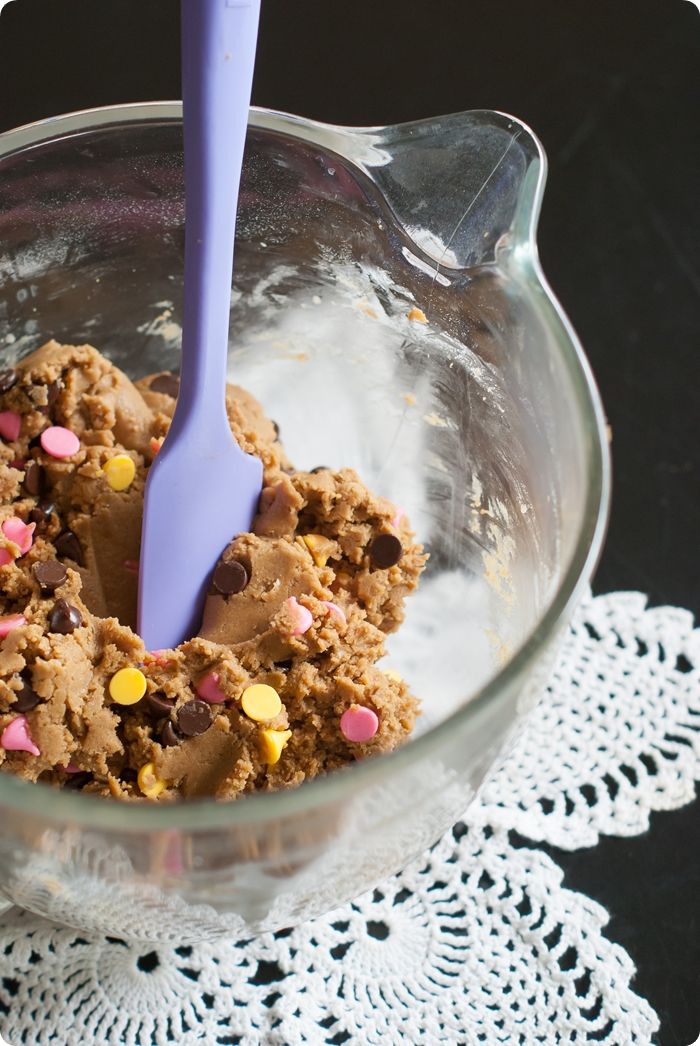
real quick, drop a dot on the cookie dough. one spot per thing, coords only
(281, 683)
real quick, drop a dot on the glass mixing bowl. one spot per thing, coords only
(390, 313)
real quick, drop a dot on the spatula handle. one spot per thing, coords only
(218, 54)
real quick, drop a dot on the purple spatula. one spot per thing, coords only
(202, 489)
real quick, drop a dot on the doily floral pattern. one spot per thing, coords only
(616, 733)
(475, 942)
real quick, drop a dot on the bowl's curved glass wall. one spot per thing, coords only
(387, 313)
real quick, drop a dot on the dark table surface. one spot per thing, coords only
(613, 90)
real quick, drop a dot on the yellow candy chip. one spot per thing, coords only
(417, 315)
(150, 784)
(261, 702)
(393, 675)
(271, 744)
(120, 471)
(127, 686)
(318, 547)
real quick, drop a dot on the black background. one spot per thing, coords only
(611, 88)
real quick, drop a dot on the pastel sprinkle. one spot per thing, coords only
(132, 565)
(159, 657)
(15, 737)
(71, 769)
(209, 690)
(148, 781)
(271, 744)
(20, 533)
(120, 471)
(10, 623)
(400, 513)
(127, 686)
(261, 702)
(335, 611)
(359, 724)
(302, 618)
(317, 546)
(417, 315)
(155, 444)
(60, 442)
(10, 425)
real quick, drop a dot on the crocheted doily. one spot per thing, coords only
(475, 942)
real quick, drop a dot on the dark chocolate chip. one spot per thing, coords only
(27, 698)
(54, 391)
(385, 551)
(167, 384)
(157, 703)
(41, 513)
(194, 718)
(76, 782)
(50, 575)
(34, 479)
(8, 378)
(230, 578)
(169, 735)
(277, 429)
(68, 547)
(320, 468)
(64, 618)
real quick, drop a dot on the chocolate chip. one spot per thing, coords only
(8, 378)
(167, 384)
(50, 575)
(194, 718)
(68, 547)
(54, 391)
(320, 468)
(64, 618)
(27, 698)
(157, 703)
(41, 513)
(76, 782)
(169, 735)
(34, 477)
(230, 578)
(385, 551)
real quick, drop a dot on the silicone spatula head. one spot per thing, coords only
(202, 489)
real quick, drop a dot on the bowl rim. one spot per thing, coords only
(203, 815)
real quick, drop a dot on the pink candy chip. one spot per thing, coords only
(60, 442)
(5, 557)
(209, 690)
(21, 534)
(335, 610)
(359, 724)
(10, 424)
(398, 517)
(15, 737)
(302, 619)
(10, 623)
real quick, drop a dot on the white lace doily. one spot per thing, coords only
(475, 942)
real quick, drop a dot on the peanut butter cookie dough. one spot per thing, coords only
(281, 683)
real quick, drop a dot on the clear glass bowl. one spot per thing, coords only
(483, 423)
